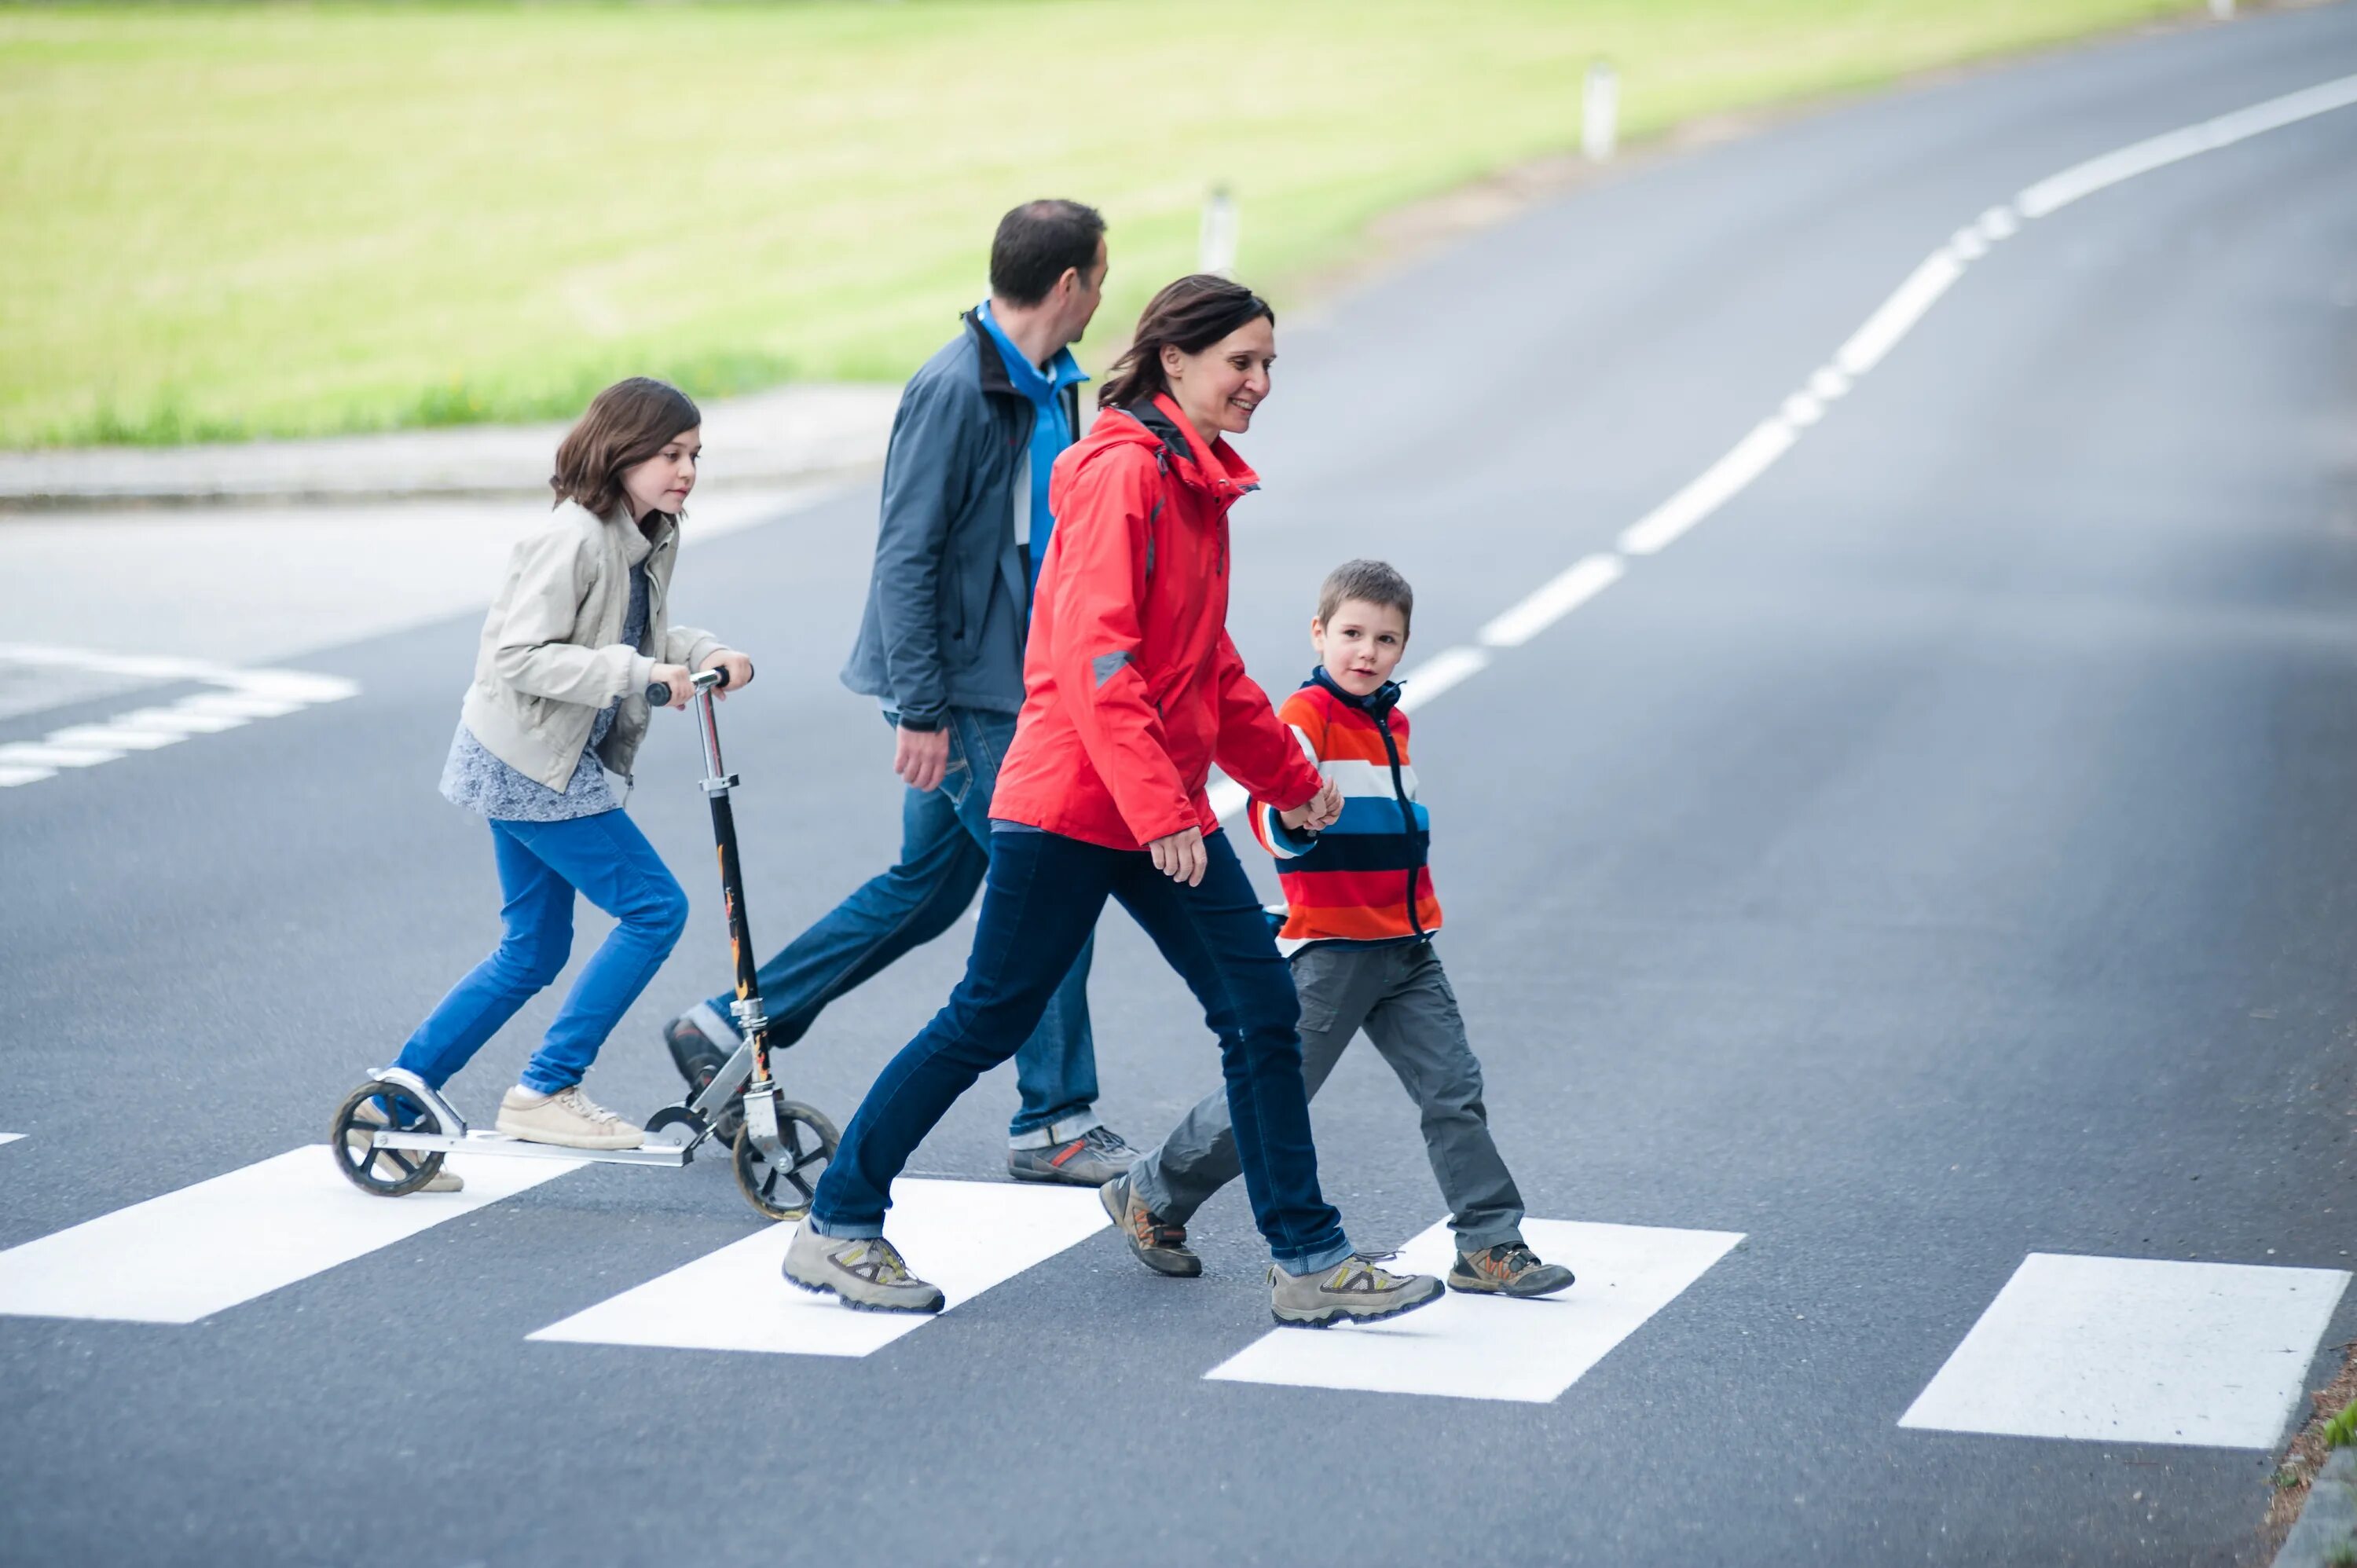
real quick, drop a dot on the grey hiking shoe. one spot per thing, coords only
(1353, 1291)
(1511, 1269)
(1159, 1245)
(1092, 1159)
(865, 1274)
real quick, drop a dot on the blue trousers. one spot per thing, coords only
(944, 851)
(1039, 908)
(542, 865)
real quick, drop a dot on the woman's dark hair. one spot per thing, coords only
(1189, 316)
(1039, 242)
(627, 423)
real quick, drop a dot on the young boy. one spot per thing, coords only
(1359, 925)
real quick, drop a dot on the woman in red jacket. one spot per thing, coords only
(1132, 690)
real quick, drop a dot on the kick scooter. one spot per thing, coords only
(390, 1134)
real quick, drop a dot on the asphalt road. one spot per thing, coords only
(1937, 857)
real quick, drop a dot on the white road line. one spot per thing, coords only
(1577, 584)
(1479, 1348)
(178, 718)
(1438, 674)
(2142, 158)
(12, 774)
(1896, 316)
(1710, 489)
(207, 1248)
(10, 1137)
(2135, 1350)
(116, 735)
(964, 1236)
(28, 753)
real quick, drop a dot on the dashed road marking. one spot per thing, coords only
(2135, 1350)
(964, 1236)
(1482, 1347)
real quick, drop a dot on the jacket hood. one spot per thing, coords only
(1157, 426)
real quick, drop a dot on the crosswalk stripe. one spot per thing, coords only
(2135, 1350)
(117, 735)
(13, 773)
(964, 1237)
(1482, 1347)
(31, 754)
(206, 1247)
(10, 1137)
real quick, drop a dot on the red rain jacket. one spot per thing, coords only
(1132, 689)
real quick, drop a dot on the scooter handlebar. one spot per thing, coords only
(658, 694)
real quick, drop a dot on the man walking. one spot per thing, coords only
(966, 523)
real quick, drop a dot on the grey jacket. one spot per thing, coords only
(951, 595)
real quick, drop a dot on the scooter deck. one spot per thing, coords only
(669, 1155)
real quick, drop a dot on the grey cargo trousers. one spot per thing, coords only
(1399, 993)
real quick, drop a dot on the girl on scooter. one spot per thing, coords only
(578, 634)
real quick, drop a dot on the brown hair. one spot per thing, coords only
(1372, 581)
(1038, 244)
(627, 423)
(1189, 316)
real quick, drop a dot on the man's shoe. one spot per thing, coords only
(369, 1114)
(865, 1274)
(697, 1054)
(1092, 1159)
(1353, 1291)
(1159, 1245)
(568, 1118)
(1510, 1269)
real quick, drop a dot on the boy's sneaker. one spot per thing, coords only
(568, 1118)
(1510, 1269)
(863, 1273)
(697, 1054)
(444, 1181)
(1353, 1291)
(1159, 1245)
(1092, 1159)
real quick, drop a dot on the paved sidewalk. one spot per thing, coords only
(792, 434)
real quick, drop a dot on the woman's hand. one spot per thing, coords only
(739, 668)
(1181, 857)
(681, 683)
(1316, 814)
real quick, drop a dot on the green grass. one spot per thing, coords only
(236, 220)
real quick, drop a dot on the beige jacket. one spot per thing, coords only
(552, 652)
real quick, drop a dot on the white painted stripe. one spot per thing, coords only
(1828, 383)
(10, 1137)
(1438, 674)
(297, 685)
(964, 1236)
(2158, 152)
(1710, 489)
(1485, 1349)
(117, 735)
(1897, 316)
(1571, 588)
(139, 666)
(241, 704)
(178, 719)
(2135, 1350)
(207, 1248)
(1999, 223)
(30, 753)
(11, 775)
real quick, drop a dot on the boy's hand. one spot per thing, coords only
(739, 668)
(675, 680)
(1181, 857)
(1316, 814)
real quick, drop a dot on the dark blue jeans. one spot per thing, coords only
(1041, 902)
(944, 851)
(541, 865)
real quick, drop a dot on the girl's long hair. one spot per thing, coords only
(1189, 316)
(627, 423)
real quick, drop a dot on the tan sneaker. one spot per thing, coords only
(567, 1118)
(380, 1162)
(1355, 1291)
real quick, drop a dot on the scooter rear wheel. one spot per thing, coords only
(781, 1189)
(383, 1173)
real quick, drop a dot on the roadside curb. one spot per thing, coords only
(2326, 1535)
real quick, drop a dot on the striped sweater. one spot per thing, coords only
(1363, 879)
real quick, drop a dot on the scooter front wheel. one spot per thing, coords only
(372, 1108)
(781, 1189)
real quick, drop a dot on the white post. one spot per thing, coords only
(1599, 117)
(1222, 226)
(2222, 10)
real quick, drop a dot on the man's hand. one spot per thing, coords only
(921, 757)
(1181, 857)
(676, 679)
(739, 668)
(1316, 814)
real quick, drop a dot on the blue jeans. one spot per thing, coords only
(1044, 894)
(944, 851)
(542, 864)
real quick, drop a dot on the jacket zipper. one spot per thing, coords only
(1407, 822)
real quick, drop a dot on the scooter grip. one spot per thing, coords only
(658, 695)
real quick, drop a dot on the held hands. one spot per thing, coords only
(1315, 814)
(1181, 856)
(921, 757)
(739, 668)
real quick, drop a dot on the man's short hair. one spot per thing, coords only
(1372, 581)
(1035, 243)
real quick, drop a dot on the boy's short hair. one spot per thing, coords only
(1372, 581)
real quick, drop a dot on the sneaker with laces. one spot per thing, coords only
(568, 1118)
(1159, 1245)
(865, 1274)
(380, 1162)
(1509, 1269)
(1354, 1291)
(1092, 1159)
